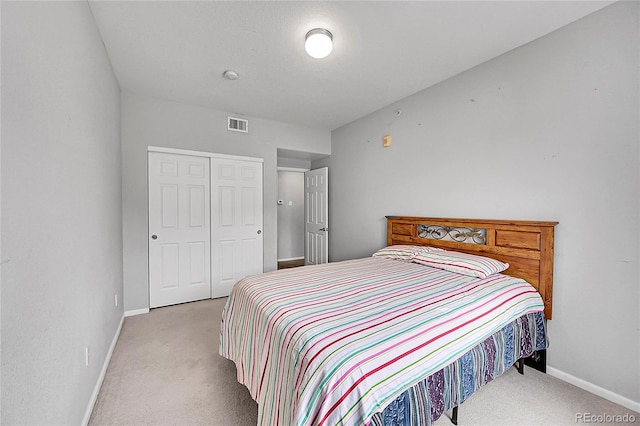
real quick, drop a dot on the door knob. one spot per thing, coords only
(323, 229)
(154, 237)
(259, 232)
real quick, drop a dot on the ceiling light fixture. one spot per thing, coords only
(318, 43)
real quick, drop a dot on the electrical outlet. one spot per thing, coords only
(386, 141)
(86, 356)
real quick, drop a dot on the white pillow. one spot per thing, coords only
(461, 263)
(400, 252)
(403, 251)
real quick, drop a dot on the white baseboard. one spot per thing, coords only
(290, 258)
(594, 389)
(96, 389)
(136, 312)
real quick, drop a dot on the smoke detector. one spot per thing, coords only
(230, 75)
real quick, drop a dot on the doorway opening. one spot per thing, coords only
(291, 232)
(290, 217)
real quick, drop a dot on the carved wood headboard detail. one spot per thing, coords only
(527, 246)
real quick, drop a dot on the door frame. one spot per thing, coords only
(194, 154)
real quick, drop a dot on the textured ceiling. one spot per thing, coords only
(383, 50)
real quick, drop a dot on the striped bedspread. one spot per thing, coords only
(423, 403)
(335, 343)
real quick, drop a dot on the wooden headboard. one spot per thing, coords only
(526, 246)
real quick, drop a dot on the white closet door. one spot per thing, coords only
(236, 215)
(316, 213)
(179, 229)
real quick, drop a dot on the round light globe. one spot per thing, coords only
(318, 43)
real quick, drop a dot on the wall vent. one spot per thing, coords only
(238, 124)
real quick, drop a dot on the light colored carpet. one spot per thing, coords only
(165, 370)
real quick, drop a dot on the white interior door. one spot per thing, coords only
(236, 203)
(179, 229)
(316, 213)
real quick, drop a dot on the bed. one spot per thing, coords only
(399, 337)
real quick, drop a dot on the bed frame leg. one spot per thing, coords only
(520, 366)
(537, 361)
(454, 415)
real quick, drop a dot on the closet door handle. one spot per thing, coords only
(154, 237)
(259, 231)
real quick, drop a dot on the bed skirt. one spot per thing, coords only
(447, 388)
